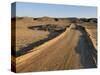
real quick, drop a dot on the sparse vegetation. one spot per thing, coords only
(39, 47)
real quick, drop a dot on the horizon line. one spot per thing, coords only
(52, 17)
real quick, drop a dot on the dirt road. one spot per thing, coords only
(72, 49)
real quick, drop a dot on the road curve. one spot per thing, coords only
(70, 50)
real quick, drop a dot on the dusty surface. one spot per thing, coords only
(93, 35)
(72, 49)
(25, 36)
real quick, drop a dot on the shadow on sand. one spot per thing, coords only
(86, 50)
(31, 46)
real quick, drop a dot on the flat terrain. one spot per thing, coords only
(25, 36)
(70, 50)
(45, 44)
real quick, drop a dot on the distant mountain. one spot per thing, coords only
(55, 20)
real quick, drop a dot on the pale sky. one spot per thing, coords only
(54, 10)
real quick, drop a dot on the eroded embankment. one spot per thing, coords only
(70, 50)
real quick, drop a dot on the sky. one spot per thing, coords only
(54, 10)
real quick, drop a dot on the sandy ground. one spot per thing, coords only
(25, 36)
(72, 49)
(93, 35)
